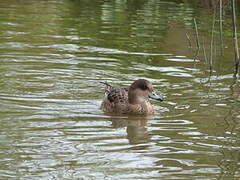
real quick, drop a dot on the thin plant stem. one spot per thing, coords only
(197, 39)
(235, 38)
(189, 41)
(211, 44)
(196, 30)
(204, 52)
(221, 25)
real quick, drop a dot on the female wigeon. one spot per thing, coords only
(133, 100)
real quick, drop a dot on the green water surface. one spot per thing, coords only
(54, 53)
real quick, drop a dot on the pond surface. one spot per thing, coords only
(54, 53)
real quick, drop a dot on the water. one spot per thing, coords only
(53, 55)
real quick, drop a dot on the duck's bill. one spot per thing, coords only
(155, 96)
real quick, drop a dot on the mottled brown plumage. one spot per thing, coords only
(133, 100)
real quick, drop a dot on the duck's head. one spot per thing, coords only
(140, 90)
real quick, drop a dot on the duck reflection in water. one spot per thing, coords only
(136, 129)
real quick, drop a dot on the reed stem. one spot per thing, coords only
(212, 39)
(221, 25)
(189, 41)
(197, 36)
(235, 38)
(204, 52)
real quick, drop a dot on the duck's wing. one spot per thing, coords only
(116, 94)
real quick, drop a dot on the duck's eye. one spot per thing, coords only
(144, 87)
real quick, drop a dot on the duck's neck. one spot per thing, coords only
(144, 107)
(134, 99)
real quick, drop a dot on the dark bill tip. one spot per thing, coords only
(155, 96)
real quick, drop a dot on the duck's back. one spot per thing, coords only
(116, 100)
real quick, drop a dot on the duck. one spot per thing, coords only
(130, 101)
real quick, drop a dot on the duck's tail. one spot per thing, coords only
(105, 83)
(108, 87)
